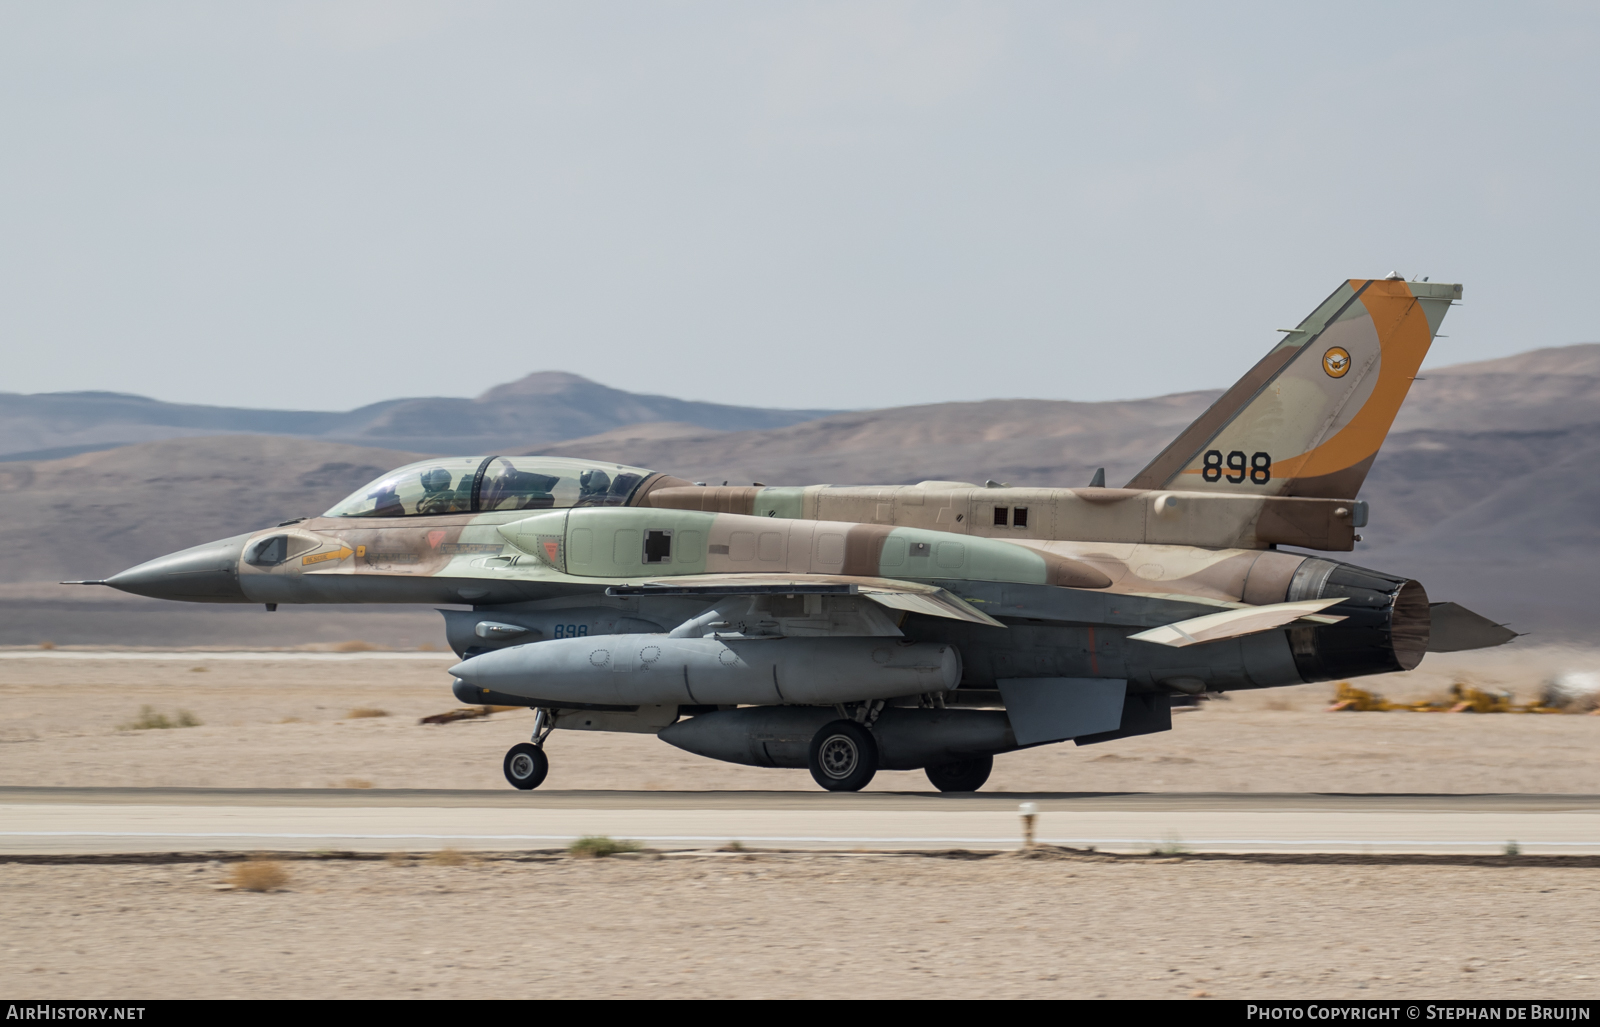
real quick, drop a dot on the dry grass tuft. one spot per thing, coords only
(1171, 846)
(363, 712)
(447, 858)
(198, 670)
(149, 720)
(291, 720)
(47, 645)
(357, 782)
(258, 875)
(355, 645)
(427, 647)
(598, 846)
(733, 846)
(397, 859)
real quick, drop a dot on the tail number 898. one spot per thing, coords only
(1259, 468)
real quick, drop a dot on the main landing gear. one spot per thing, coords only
(843, 756)
(961, 776)
(526, 765)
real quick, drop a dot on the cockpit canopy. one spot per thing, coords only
(479, 484)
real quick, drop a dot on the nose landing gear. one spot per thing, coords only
(526, 765)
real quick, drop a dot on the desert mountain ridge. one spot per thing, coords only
(1485, 491)
(541, 407)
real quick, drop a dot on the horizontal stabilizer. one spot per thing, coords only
(1456, 629)
(909, 596)
(1233, 623)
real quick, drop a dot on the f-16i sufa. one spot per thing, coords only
(932, 626)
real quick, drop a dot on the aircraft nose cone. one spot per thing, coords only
(204, 574)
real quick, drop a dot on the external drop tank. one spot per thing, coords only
(779, 736)
(642, 670)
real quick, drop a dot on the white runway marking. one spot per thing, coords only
(100, 827)
(1198, 844)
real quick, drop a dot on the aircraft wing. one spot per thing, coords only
(910, 596)
(1233, 623)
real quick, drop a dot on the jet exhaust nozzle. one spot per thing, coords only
(638, 670)
(1387, 622)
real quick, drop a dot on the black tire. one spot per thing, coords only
(526, 766)
(962, 775)
(843, 756)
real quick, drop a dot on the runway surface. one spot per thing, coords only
(90, 820)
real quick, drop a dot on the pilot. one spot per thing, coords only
(437, 496)
(592, 487)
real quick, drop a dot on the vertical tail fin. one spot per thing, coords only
(1309, 418)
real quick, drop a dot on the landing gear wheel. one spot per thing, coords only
(843, 756)
(962, 775)
(526, 766)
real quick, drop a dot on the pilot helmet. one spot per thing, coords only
(435, 480)
(591, 482)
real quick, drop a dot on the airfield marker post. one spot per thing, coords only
(1029, 811)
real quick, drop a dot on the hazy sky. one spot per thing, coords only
(319, 205)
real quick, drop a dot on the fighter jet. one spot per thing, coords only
(930, 626)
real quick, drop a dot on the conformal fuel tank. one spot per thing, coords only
(635, 670)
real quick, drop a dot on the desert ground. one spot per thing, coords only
(809, 926)
(286, 723)
(775, 924)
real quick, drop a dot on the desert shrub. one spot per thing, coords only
(1170, 846)
(149, 720)
(598, 846)
(258, 875)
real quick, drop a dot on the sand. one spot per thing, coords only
(780, 925)
(803, 926)
(282, 724)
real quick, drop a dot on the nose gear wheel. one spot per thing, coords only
(526, 766)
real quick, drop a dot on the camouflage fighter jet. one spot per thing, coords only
(932, 626)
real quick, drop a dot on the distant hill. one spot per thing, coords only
(1553, 388)
(542, 407)
(1486, 491)
(1017, 441)
(89, 515)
